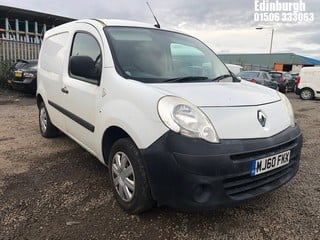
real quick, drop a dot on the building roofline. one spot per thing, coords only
(30, 15)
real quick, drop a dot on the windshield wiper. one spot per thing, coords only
(186, 79)
(221, 77)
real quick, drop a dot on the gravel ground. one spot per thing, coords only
(53, 189)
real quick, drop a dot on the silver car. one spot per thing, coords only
(259, 77)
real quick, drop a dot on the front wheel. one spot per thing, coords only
(128, 177)
(306, 94)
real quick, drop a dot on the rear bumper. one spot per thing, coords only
(194, 175)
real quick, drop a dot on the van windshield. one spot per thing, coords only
(155, 56)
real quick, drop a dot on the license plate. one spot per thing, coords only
(269, 163)
(18, 74)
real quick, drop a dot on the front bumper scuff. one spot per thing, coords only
(194, 175)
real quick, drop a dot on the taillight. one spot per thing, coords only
(253, 80)
(298, 80)
(29, 75)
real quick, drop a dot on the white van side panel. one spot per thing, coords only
(120, 107)
(310, 78)
(52, 59)
(54, 51)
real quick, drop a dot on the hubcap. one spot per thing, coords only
(306, 94)
(123, 176)
(43, 119)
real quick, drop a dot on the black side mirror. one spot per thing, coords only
(84, 66)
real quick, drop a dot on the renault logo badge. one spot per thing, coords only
(262, 118)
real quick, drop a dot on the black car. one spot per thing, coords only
(285, 81)
(23, 76)
(259, 77)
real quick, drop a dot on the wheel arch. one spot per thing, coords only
(110, 136)
(39, 100)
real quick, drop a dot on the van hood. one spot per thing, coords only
(234, 108)
(218, 94)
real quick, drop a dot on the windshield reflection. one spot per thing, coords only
(153, 55)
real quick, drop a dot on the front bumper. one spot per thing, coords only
(27, 85)
(194, 175)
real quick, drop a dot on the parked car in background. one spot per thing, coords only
(285, 81)
(308, 83)
(17, 65)
(259, 77)
(23, 76)
(294, 76)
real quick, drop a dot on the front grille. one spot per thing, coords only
(243, 186)
(269, 151)
(16, 79)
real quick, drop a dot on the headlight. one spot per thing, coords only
(288, 105)
(183, 117)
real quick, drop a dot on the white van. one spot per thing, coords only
(165, 115)
(308, 83)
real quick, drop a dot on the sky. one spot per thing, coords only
(226, 26)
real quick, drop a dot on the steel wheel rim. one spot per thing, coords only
(123, 176)
(306, 94)
(43, 119)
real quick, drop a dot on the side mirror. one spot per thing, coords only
(84, 66)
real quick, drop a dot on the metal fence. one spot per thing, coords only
(12, 50)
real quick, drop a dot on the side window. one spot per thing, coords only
(288, 76)
(85, 58)
(264, 76)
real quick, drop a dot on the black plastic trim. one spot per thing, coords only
(195, 175)
(72, 116)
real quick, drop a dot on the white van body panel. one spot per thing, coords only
(235, 99)
(220, 94)
(310, 78)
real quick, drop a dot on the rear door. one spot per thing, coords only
(317, 80)
(82, 93)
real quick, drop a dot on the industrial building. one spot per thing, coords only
(22, 31)
(289, 62)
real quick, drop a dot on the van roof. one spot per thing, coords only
(112, 22)
(310, 69)
(126, 23)
(99, 24)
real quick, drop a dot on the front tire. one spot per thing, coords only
(128, 177)
(306, 94)
(47, 129)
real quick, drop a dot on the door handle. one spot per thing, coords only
(64, 90)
